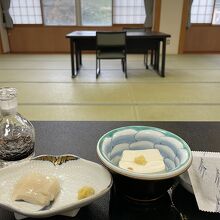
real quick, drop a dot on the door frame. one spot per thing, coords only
(183, 26)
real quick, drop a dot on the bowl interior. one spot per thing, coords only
(174, 150)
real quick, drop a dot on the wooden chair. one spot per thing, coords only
(111, 45)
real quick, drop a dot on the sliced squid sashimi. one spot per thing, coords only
(37, 189)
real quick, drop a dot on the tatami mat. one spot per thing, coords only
(178, 93)
(66, 93)
(116, 93)
(178, 112)
(78, 112)
(46, 91)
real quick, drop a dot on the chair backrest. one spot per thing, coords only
(111, 39)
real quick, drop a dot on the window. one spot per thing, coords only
(26, 12)
(96, 12)
(205, 11)
(58, 12)
(216, 14)
(201, 11)
(128, 11)
(78, 12)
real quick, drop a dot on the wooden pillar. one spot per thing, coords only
(1, 50)
(183, 26)
(157, 12)
(4, 44)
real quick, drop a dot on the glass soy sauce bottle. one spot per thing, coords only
(17, 135)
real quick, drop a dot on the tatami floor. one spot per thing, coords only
(189, 92)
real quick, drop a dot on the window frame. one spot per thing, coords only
(32, 24)
(207, 24)
(121, 23)
(42, 12)
(213, 15)
(79, 19)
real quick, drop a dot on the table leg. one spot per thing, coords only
(72, 58)
(158, 57)
(80, 57)
(163, 57)
(77, 56)
(146, 59)
(155, 59)
(152, 58)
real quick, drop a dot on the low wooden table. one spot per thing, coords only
(80, 138)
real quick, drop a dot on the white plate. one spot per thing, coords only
(72, 173)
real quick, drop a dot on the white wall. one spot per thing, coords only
(170, 22)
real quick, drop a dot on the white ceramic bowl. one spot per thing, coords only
(175, 151)
(72, 173)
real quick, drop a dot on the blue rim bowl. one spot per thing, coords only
(175, 151)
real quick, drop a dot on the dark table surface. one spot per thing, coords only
(148, 34)
(80, 138)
